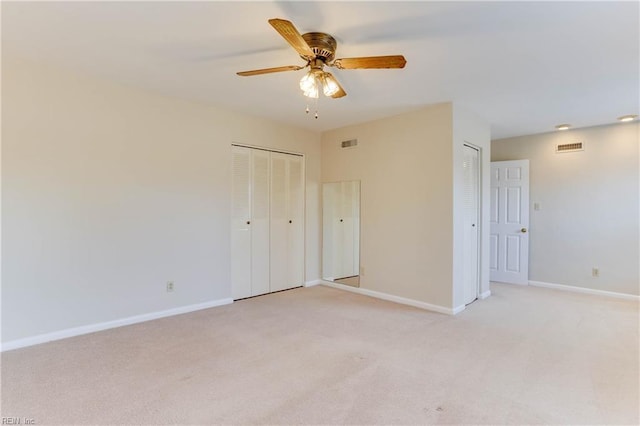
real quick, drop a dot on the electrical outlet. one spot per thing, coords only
(362, 271)
(536, 206)
(169, 286)
(595, 272)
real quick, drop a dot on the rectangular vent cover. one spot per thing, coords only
(350, 143)
(570, 147)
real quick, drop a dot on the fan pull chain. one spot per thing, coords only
(307, 110)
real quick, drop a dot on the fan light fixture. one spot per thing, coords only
(318, 50)
(315, 79)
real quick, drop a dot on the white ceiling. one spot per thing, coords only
(523, 66)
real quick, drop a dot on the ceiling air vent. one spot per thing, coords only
(350, 143)
(570, 147)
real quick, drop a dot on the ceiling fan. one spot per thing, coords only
(319, 49)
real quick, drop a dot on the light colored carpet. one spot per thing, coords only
(323, 356)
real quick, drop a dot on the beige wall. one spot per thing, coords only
(406, 168)
(108, 192)
(589, 213)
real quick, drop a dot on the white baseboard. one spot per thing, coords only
(312, 283)
(583, 290)
(485, 294)
(458, 309)
(92, 328)
(396, 299)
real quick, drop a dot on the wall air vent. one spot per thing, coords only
(570, 147)
(350, 143)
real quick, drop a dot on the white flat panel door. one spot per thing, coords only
(510, 222)
(330, 221)
(260, 164)
(279, 241)
(346, 225)
(470, 274)
(240, 222)
(351, 236)
(356, 228)
(295, 231)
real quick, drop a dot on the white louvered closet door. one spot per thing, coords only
(260, 165)
(287, 221)
(240, 222)
(295, 230)
(267, 223)
(278, 239)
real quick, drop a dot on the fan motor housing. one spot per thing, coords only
(322, 44)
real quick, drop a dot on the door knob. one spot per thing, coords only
(290, 221)
(523, 230)
(248, 222)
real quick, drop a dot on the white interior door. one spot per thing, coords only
(356, 227)
(260, 164)
(295, 231)
(279, 218)
(346, 225)
(287, 221)
(240, 222)
(330, 235)
(267, 221)
(509, 222)
(471, 274)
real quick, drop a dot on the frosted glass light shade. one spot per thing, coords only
(312, 92)
(309, 84)
(307, 81)
(330, 86)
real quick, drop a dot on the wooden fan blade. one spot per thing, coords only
(293, 37)
(394, 61)
(269, 70)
